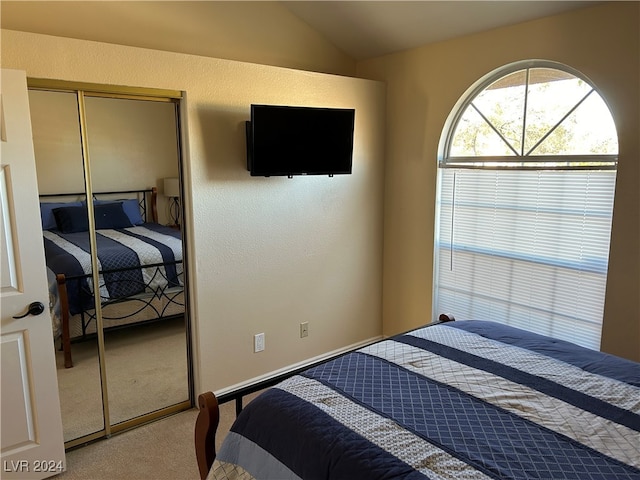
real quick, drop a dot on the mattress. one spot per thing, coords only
(132, 261)
(463, 400)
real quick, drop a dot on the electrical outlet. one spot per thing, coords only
(258, 342)
(304, 329)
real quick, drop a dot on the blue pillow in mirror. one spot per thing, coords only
(46, 212)
(111, 215)
(130, 206)
(107, 215)
(71, 219)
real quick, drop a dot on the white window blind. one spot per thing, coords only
(525, 247)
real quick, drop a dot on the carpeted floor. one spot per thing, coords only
(146, 370)
(162, 450)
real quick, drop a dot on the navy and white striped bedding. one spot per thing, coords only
(122, 254)
(460, 400)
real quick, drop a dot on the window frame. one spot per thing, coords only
(595, 162)
(445, 160)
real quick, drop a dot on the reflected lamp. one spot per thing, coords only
(172, 190)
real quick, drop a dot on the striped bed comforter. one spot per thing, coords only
(460, 400)
(122, 256)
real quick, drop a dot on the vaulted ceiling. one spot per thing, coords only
(367, 29)
(360, 29)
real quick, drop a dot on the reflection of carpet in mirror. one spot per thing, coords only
(146, 370)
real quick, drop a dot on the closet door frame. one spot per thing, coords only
(82, 90)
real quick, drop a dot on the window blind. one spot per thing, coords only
(528, 248)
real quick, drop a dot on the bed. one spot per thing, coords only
(457, 399)
(139, 261)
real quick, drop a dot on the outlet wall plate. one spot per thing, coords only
(258, 342)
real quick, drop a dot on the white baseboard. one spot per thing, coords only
(295, 366)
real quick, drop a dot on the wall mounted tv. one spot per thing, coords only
(287, 140)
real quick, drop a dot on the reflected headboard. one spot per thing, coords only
(141, 204)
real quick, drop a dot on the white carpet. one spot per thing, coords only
(162, 450)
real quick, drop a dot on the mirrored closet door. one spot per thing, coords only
(58, 146)
(114, 253)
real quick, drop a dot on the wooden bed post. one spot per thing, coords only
(64, 313)
(154, 205)
(205, 432)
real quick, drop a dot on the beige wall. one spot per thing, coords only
(265, 253)
(423, 86)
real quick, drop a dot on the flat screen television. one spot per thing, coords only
(287, 140)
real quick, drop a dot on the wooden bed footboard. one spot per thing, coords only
(205, 432)
(64, 314)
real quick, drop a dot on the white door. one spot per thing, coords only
(31, 424)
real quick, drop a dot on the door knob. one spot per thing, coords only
(35, 308)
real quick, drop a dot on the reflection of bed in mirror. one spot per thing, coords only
(139, 261)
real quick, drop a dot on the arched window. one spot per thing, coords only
(526, 181)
